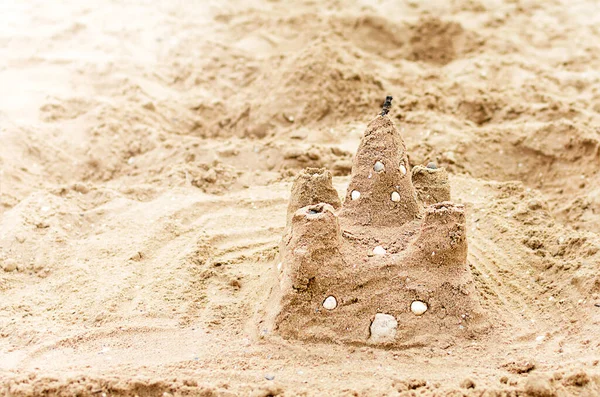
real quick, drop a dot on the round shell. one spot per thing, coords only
(379, 250)
(330, 303)
(418, 307)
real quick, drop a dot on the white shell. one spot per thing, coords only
(279, 265)
(378, 166)
(418, 307)
(330, 303)
(355, 195)
(379, 250)
(9, 265)
(402, 169)
(395, 197)
(383, 328)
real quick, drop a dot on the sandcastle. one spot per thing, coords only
(388, 266)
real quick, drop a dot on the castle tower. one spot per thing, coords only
(312, 186)
(431, 184)
(381, 192)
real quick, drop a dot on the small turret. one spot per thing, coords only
(312, 186)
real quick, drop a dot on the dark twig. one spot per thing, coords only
(387, 105)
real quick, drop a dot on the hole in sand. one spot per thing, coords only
(315, 209)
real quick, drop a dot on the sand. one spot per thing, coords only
(147, 156)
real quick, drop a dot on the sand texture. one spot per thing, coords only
(176, 184)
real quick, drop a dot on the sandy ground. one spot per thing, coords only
(147, 151)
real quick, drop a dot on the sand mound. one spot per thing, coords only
(440, 42)
(320, 84)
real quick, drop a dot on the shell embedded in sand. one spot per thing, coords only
(395, 197)
(9, 265)
(418, 307)
(383, 328)
(379, 250)
(378, 166)
(330, 303)
(402, 169)
(355, 195)
(279, 265)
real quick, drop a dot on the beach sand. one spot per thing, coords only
(148, 151)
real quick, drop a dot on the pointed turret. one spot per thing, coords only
(381, 192)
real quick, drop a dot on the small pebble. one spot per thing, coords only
(9, 265)
(378, 166)
(467, 384)
(269, 377)
(330, 303)
(418, 307)
(355, 195)
(402, 169)
(395, 197)
(379, 250)
(383, 328)
(431, 166)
